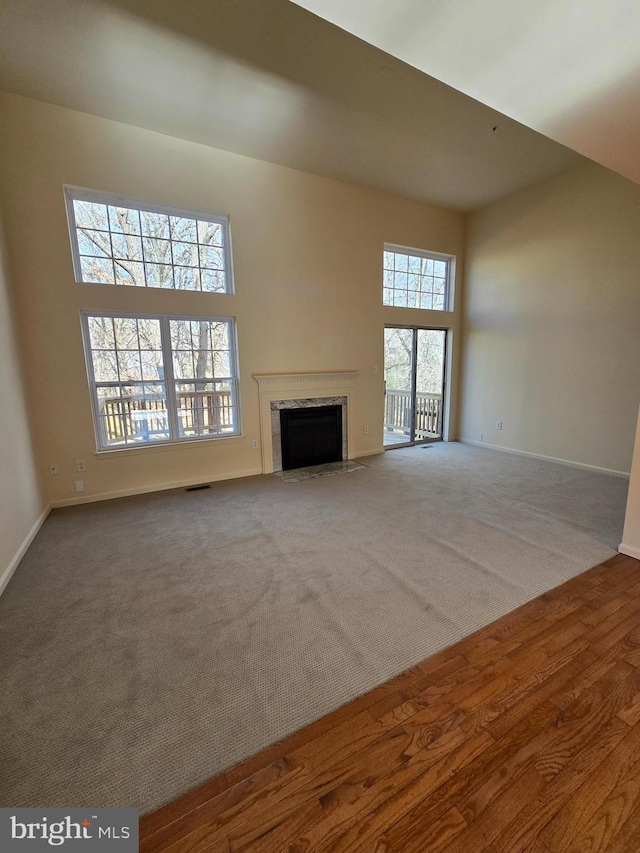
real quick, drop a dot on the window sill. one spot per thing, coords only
(167, 445)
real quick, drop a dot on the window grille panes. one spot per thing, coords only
(159, 379)
(118, 243)
(202, 370)
(415, 280)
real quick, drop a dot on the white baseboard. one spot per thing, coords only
(624, 474)
(629, 551)
(181, 484)
(138, 490)
(22, 550)
(362, 453)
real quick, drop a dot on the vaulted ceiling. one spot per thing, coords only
(569, 69)
(271, 80)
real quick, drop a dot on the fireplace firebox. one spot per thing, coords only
(310, 436)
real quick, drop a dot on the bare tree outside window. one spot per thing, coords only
(398, 360)
(161, 378)
(129, 245)
(412, 279)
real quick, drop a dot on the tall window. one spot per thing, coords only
(159, 379)
(118, 241)
(414, 279)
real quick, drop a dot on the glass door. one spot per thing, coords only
(414, 375)
(399, 378)
(431, 345)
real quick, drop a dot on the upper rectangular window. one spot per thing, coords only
(415, 279)
(116, 240)
(161, 379)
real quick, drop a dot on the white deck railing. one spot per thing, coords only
(397, 414)
(199, 411)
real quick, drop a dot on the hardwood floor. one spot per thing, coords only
(522, 737)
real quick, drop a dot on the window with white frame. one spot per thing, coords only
(415, 279)
(116, 240)
(160, 379)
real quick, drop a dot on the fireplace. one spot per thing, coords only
(284, 391)
(310, 436)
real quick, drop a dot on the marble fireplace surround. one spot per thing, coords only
(301, 390)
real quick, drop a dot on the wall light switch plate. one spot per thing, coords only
(53, 469)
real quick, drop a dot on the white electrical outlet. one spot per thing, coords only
(366, 430)
(254, 444)
(81, 465)
(53, 469)
(79, 485)
(480, 437)
(498, 424)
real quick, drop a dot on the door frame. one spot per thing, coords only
(412, 442)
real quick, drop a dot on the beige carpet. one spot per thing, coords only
(148, 643)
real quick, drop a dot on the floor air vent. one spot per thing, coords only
(197, 488)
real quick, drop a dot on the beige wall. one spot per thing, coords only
(307, 258)
(21, 501)
(631, 536)
(552, 320)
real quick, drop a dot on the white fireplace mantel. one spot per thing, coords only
(291, 386)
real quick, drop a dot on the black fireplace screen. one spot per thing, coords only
(311, 436)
